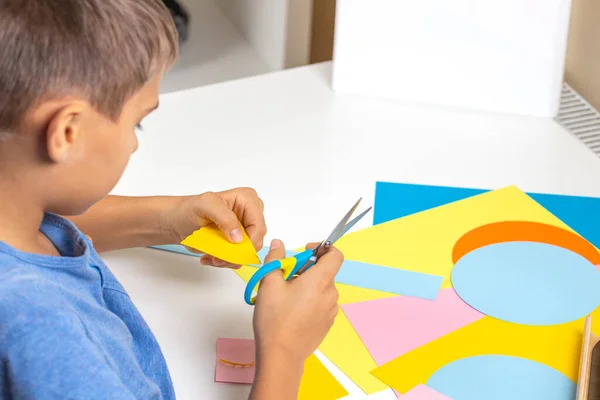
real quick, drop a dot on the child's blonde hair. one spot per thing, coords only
(101, 50)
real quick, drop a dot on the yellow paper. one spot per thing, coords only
(318, 383)
(210, 240)
(557, 346)
(422, 242)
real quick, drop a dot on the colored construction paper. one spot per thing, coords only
(390, 280)
(528, 283)
(210, 240)
(395, 326)
(495, 377)
(318, 383)
(396, 200)
(420, 242)
(423, 392)
(556, 346)
(424, 242)
(235, 351)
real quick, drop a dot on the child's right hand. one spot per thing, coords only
(292, 317)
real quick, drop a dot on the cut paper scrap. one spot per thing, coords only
(318, 383)
(390, 280)
(239, 354)
(235, 361)
(524, 231)
(423, 392)
(342, 345)
(395, 326)
(396, 200)
(424, 242)
(210, 240)
(528, 283)
(496, 377)
(556, 346)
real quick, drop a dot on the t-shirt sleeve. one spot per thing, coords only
(47, 354)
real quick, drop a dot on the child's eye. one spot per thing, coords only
(139, 127)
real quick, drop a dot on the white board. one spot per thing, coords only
(498, 55)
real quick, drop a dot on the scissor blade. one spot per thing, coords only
(340, 226)
(351, 224)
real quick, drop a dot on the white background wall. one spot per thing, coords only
(500, 55)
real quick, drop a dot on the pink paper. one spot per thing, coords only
(394, 326)
(239, 351)
(423, 392)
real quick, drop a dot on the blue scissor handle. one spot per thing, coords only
(289, 266)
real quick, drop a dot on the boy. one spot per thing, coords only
(76, 78)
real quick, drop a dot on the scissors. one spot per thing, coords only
(301, 262)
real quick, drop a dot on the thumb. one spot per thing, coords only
(215, 209)
(328, 265)
(276, 252)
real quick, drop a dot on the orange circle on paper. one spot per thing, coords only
(524, 231)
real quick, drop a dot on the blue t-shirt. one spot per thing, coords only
(68, 329)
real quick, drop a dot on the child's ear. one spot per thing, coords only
(64, 131)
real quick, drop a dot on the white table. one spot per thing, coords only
(310, 154)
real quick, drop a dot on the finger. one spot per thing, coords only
(328, 265)
(253, 217)
(276, 251)
(215, 209)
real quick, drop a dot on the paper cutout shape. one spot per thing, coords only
(390, 280)
(494, 377)
(528, 283)
(393, 327)
(235, 361)
(396, 200)
(318, 383)
(423, 392)
(210, 240)
(524, 231)
(556, 346)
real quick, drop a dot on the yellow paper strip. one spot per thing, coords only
(210, 240)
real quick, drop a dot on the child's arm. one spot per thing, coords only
(124, 222)
(290, 321)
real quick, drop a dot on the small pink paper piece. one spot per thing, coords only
(391, 327)
(423, 392)
(233, 359)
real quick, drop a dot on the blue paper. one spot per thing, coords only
(390, 280)
(528, 283)
(396, 200)
(494, 377)
(376, 277)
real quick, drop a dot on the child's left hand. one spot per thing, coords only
(225, 209)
